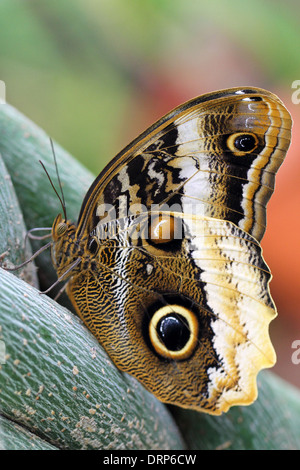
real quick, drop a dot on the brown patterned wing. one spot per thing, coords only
(165, 264)
(189, 317)
(216, 155)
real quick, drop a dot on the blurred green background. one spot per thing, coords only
(95, 73)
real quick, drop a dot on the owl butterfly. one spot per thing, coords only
(165, 266)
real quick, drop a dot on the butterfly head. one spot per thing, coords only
(63, 236)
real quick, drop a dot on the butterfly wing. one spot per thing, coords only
(216, 155)
(213, 280)
(185, 314)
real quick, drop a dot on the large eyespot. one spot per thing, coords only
(164, 229)
(173, 332)
(242, 143)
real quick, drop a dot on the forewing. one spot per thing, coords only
(187, 162)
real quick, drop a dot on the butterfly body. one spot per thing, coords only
(165, 265)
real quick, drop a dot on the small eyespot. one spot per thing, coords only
(93, 246)
(242, 143)
(164, 228)
(173, 332)
(61, 228)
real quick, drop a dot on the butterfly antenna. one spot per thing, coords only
(61, 199)
(58, 179)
